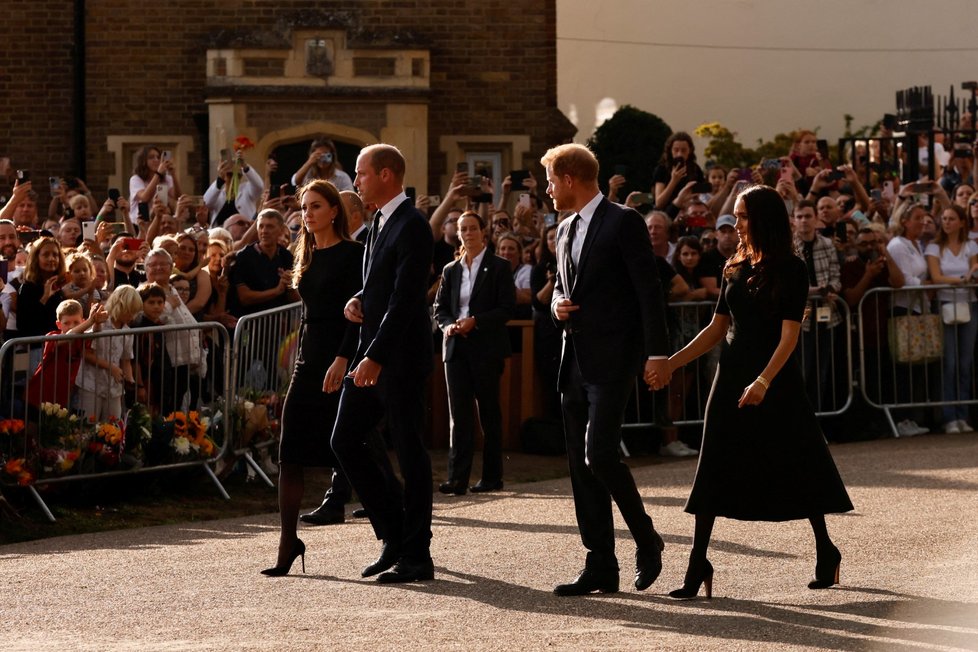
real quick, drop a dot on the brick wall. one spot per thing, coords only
(493, 69)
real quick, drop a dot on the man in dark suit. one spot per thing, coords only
(387, 374)
(476, 297)
(608, 297)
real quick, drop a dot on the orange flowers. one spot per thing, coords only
(241, 143)
(16, 470)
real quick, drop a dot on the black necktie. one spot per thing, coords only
(570, 250)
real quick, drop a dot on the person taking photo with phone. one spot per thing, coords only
(151, 168)
(220, 202)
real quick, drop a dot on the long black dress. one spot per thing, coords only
(334, 275)
(767, 462)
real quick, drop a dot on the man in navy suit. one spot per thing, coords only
(387, 374)
(608, 297)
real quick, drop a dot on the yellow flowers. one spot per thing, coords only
(190, 434)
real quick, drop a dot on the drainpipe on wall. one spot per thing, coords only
(78, 91)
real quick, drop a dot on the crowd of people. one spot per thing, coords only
(230, 253)
(382, 278)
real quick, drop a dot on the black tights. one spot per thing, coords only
(291, 484)
(703, 530)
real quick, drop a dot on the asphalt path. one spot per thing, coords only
(909, 575)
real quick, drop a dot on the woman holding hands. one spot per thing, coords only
(763, 456)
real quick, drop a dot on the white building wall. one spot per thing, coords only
(759, 67)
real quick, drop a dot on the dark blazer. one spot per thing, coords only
(396, 328)
(622, 317)
(492, 304)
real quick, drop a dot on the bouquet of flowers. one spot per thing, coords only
(138, 433)
(241, 144)
(190, 440)
(63, 438)
(14, 452)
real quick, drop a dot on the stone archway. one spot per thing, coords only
(308, 130)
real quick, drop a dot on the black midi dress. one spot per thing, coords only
(334, 275)
(768, 462)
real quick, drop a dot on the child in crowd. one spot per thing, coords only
(108, 360)
(55, 376)
(182, 286)
(150, 356)
(81, 287)
(101, 275)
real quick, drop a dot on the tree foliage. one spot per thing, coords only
(631, 138)
(724, 148)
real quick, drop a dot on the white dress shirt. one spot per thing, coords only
(388, 209)
(468, 282)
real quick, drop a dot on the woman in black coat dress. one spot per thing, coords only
(763, 456)
(327, 272)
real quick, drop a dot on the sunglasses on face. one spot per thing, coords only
(708, 240)
(501, 223)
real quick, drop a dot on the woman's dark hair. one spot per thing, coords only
(769, 235)
(305, 243)
(692, 242)
(139, 165)
(544, 256)
(667, 159)
(482, 227)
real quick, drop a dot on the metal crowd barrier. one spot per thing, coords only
(265, 346)
(172, 417)
(684, 402)
(912, 376)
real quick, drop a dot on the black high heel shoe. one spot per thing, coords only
(298, 550)
(827, 567)
(698, 572)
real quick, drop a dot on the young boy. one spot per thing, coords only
(150, 357)
(55, 376)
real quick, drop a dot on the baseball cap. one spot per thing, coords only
(727, 220)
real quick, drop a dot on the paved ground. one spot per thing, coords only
(909, 576)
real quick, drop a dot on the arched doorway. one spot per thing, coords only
(292, 156)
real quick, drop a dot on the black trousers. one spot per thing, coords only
(472, 378)
(396, 514)
(593, 416)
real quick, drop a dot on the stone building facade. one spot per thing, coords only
(84, 84)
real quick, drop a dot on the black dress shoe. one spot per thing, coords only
(481, 487)
(452, 488)
(359, 512)
(323, 515)
(408, 571)
(388, 557)
(648, 563)
(590, 581)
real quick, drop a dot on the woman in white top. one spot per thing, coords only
(150, 170)
(323, 163)
(953, 260)
(904, 250)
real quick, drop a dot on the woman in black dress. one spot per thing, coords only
(327, 272)
(763, 456)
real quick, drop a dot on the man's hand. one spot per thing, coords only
(564, 308)
(353, 311)
(366, 373)
(657, 373)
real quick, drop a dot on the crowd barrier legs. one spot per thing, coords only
(265, 346)
(916, 353)
(112, 403)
